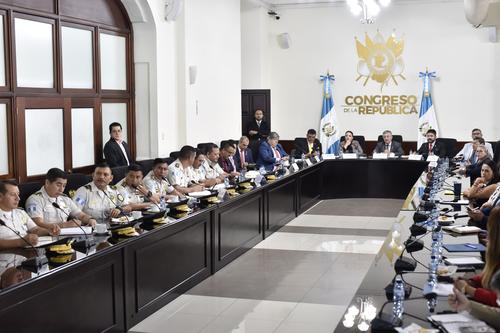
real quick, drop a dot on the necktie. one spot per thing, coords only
(430, 147)
(311, 149)
(242, 158)
(386, 147)
(276, 153)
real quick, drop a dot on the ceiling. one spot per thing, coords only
(287, 3)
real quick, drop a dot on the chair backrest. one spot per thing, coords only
(496, 151)
(359, 138)
(203, 146)
(146, 166)
(395, 137)
(450, 145)
(175, 154)
(27, 189)
(75, 181)
(119, 173)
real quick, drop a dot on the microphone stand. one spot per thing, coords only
(81, 246)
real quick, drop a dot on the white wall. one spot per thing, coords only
(436, 35)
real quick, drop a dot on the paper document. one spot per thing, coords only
(76, 231)
(462, 317)
(463, 261)
(443, 289)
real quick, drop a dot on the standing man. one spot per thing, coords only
(468, 149)
(257, 131)
(178, 172)
(431, 147)
(40, 205)
(309, 146)
(243, 156)
(100, 200)
(116, 151)
(17, 222)
(388, 146)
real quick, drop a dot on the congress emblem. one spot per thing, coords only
(328, 129)
(380, 60)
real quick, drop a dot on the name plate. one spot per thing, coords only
(329, 156)
(415, 157)
(379, 156)
(432, 158)
(308, 162)
(317, 158)
(350, 156)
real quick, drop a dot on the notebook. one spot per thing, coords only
(467, 247)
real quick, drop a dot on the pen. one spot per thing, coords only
(471, 246)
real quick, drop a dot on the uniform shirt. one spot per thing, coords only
(212, 169)
(18, 220)
(94, 202)
(39, 205)
(156, 186)
(178, 175)
(196, 175)
(132, 195)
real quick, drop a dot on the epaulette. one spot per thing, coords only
(88, 187)
(38, 193)
(176, 165)
(113, 187)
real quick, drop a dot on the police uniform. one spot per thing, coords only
(39, 205)
(196, 175)
(92, 201)
(161, 187)
(178, 175)
(212, 169)
(18, 220)
(132, 195)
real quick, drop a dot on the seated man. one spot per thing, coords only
(197, 174)
(15, 223)
(431, 147)
(211, 166)
(156, 181)
(468, 150)
(243, 156)
(116, 151)
(226, 161)
(40, 208)
(271, 153)
(132, 188)
(178, 172)
(388, 146)
(309, 146)
(100, 200)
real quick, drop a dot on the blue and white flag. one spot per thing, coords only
(329, 131)
(427, 117)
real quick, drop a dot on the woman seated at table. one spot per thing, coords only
(479, 216)
(483, 186)
(478, 287)
(349, 145)
(474, 170)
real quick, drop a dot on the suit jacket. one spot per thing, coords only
(263, 130)
(438, 149)
(302, 146)
(266, 155)
(396, 148)
(226, 164)
(114, 155)
(354, 147)
(237, 159)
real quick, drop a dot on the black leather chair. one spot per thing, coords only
(450, 146)
(75, 181)
(359, 138)
(224, 141)
(203, 146)
(119, 173)
(146, 166)
(169, 160)
(397, 138)
(27, 189)
(175, 154)
(496, 152)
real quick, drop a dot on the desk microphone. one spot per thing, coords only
(151, 201)
(80, 246)
(180, 196)
(116, 206)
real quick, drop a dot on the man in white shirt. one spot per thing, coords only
(211, 166)
(15, 224)
(178, 172)
(156, 181)
(468, 149)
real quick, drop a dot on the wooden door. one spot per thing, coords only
(252, 100)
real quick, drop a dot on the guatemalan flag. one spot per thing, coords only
(427, 117)
(329, 131)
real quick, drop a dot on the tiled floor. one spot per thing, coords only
(300, 279)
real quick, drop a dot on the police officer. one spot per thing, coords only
(211, 166)
(178, 172)
(100, 200)
(197, 172)
(17, 222)
(40, 208)
(156, 181)
(131, 187)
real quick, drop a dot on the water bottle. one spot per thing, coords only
(431, 301)
(433, 267)
(398, 298)
(226, 182)
(262, 170)
(303, 156)
(163, 203)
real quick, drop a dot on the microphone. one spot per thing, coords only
(116, 206)
(35, 264)
(151, 201)
(83, 245)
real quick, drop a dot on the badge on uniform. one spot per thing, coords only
(31, 208)
(119, 197)
(80, 201)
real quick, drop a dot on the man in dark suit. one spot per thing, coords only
(271, 152)
(388, 146)
(257, 128)
(309, 146)
(116, 151)
(431, 147)
(243, 156)
(227, 151)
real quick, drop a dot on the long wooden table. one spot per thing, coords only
(121, 284)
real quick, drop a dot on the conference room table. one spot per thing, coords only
(118, 283)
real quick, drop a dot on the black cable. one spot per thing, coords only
(413, 316)
(411, 285)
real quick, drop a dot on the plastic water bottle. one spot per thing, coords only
(226, 182)
(433, 267)
(163, 203)
(398, 298)
(262, 170)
